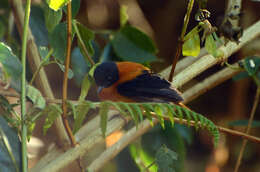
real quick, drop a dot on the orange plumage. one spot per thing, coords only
(132, 82)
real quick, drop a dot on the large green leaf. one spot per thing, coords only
(58, 41)
(11, 65)
(165, 159)
(85, 86)
(75, 5)
(52, 111)
(10, 148)
(130, 44)
(81, 112)
(211, 45)
(79, 66)
(103, 117)
(35, 96)
(191, 45)
(57, 4)
(52, 18)
(37, 25)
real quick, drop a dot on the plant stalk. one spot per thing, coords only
(65, 77)
(252, 114)
(23, 87)
(181, 38)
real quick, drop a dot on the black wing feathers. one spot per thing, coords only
(149, 87)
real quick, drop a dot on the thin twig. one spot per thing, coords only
(181, 39)
(252, 114)
(23, 87)
(41, 65)
(65, 77)
(82, 43)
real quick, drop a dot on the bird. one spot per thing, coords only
(133, 82)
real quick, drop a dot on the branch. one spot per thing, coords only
(252, 114)
(85, 51)
(181, 39)
(65, 77)
(34, 62)
(208, 61)
(208, 83)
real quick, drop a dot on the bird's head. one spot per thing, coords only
(106, 74)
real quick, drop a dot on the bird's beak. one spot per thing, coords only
(99, 89)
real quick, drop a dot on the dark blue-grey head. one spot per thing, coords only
(106, 74)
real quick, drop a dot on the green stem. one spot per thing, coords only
(74, 23)
(252, 114)
(41, 65)
(23, 87)
(181, 38)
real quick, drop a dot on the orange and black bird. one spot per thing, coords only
(133, 82)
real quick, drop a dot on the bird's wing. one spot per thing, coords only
(149, 87)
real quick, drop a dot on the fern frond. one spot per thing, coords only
(161, 111)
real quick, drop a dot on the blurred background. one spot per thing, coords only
(162, 20)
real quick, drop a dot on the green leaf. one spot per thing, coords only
(57, 4)
(117, 106)
(92, 70)
(159, 112)
(35, 96)
(52, 111)
(165, 159)
(211, 46)
(251, 64)
(87, 36)
(141, 157)
(52, 18)
(75, 5)
(10, 148)
(62, 67)
(103, 117)
(240, 76)
(30, 128)
(84, 88)
(11, 65)
(79, 66)
(131, 44)
(191, 46)
(123, 15)
(244, 123)
(170, 113)
(138, 111)
(43, 51)
(37, 25)
(58, 41)
(81, 112)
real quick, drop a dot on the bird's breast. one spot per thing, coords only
(112, 94)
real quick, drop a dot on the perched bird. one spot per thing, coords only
(133, 82)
